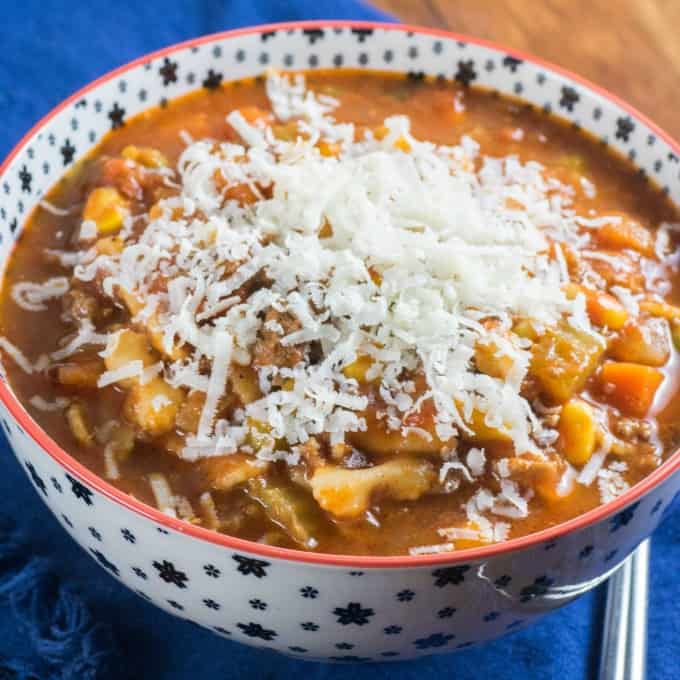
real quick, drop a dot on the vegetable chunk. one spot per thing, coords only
(630, 387)
(290, 506)
(563, 359)
(644, 342)
(349, 493)
(577, 429)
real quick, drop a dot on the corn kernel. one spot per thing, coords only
(577, 430)
(329, 149)
(402, 145)
(106, 208)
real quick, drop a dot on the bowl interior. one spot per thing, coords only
(73, 128)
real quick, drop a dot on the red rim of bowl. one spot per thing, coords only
(326, 559)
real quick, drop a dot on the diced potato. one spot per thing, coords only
(107, 208)
(81, 373)
(643, 342)
(189, 414)
(223, 473)
(145, 155)
(627, 234)
(348, 493)
(131, 346)
(244, 383)
(577, 429)
(630, 387)
(77, 422)
(492, 362)
(152, 327)
(481, 432)
(524, 329)
(603, 309)
(153, 407)
(563, 359)
(291, 507)
(358, 368)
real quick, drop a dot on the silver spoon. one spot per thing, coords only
(624, 643)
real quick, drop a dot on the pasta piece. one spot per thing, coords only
(82, 374)
(77, 422)
(289, 506)
(349, 493)
(223, 473)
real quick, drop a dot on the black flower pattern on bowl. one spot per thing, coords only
(353, 613)
(168, 573)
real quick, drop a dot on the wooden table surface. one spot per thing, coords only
(631, 47)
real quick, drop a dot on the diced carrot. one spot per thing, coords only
(626, 234)
(603, 309)
(117, 172)
(630, 387)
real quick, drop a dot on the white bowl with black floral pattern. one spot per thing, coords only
(325, 606)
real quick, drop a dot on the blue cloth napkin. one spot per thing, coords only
(61, 615)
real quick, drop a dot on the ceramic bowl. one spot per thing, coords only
(326, 606)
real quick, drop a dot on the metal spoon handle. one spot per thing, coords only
(636, 658)
(624, 643)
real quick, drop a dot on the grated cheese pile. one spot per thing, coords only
(401, 255)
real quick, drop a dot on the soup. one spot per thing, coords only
(351, 312)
